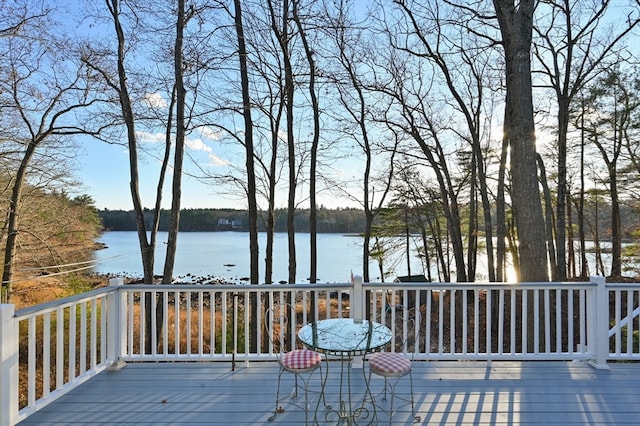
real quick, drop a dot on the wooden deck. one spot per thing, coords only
(451, 393)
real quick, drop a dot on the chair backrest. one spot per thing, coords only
(280, 326)
(405, 323)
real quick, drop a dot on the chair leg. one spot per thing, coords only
(372, 399)
(416, 418)
(392, 391)
(294, 395)
(386, 384)
(323, 383)
(277, 409)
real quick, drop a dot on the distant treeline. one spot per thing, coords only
(203, 220)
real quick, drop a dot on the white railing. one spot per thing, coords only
(48, 349)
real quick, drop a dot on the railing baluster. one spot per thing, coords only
(59, 348)
(618, 317)
(31, 381)
(142, 335)
(212, 322)
(629, 342)
(94, 334)
(488, 321)
(177, 331)
(558, 319)
(536, 322)
(501, 321)
(83, 338)
(427, 322)
(46, 354)
(476, 322)
(154, 325)
(200, 323)
(452, 323)
(512, 311)
(547, 321)
(464, 321)
(225, 326)
(247, 322)
(165, 322)
(570, 328)
(187, 300)
(441, 322)
(525, 321)
(583, 320)
(103, 329)
(130, 327)
(72, 342)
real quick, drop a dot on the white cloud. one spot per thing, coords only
(154, 100)
(197, 145)
(193, 144)
(151, 137)
(211, 134)
(216, 161)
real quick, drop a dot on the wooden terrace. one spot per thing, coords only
(448, 393)
(472, 368)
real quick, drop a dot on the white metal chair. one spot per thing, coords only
(281, 327)
(396, 361)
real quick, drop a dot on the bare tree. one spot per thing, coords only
(463, 61)
(282, 32)
(571, 46)
(414, 114)
(251, 182)
(42, 94)
(612, 101)
(313, 160)
(357, 98)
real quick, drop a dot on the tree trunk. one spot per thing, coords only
(571, 254)
(13, 220)
(548, 213)
(584, 266)
(501, 219)
(174, 220)
(560, 270)
(251, 177)
(313, 212)
(516, 22)
(472, 233)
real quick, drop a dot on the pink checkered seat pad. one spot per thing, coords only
(390, 363)
(300, 359)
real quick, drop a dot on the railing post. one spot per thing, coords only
(8, 366)
(114, 325)
(601, 324)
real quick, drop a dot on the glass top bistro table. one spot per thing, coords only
(346, 338)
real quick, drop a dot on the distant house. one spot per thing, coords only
(228, 224)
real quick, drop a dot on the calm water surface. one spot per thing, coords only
(226, 255)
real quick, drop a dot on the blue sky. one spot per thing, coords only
(103, 171)
(104, 175)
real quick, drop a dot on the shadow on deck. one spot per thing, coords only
(447, 393)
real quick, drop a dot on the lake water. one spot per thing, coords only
(226, 255)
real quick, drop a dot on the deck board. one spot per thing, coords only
(447, 393)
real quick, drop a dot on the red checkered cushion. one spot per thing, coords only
(387, 363)
(300, 359)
